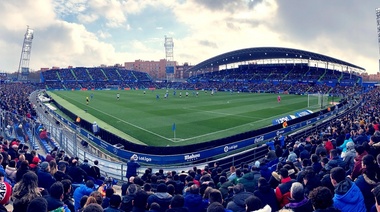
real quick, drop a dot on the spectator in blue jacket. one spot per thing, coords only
(348, 196)
(82, 191)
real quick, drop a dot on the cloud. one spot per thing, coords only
(94, 32)
(87, 18)
(207, 43)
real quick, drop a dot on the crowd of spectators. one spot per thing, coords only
(298, 79)
(333, 170)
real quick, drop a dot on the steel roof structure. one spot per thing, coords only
(260, 53)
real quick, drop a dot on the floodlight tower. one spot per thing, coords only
(23, 67)
(378, 30)
(169, 45)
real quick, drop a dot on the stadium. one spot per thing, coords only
(268, 72)
(269, 97)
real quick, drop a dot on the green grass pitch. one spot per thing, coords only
(142, 118)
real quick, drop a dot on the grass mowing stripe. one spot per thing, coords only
(198, 119)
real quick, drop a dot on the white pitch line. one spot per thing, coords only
(186, 139)
(250, 123)
(148, 131)
(219, 113)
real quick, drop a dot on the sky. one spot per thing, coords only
(93, 32)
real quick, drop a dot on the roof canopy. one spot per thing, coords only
(261, 53)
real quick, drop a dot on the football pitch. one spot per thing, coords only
(177, 121)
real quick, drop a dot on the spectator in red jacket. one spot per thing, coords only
(328, 145)
(43, 134)
(283, 190)
(360, 153)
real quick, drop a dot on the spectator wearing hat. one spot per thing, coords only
(238, 199)
(95, 128)
(250, 179)
(45, 179)
(126, 203)
(162, 197)
(13, 151)
(298, 201)
(283, 190)
(33, 166)
(349, 156)
(115, 202)
(8, 132)
(328, 145)
(132, 167)
(11, 171)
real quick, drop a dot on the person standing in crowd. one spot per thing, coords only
(95, 128)
(132, 167)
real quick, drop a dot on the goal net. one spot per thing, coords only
(317, 100)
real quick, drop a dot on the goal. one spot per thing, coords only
(317, 100)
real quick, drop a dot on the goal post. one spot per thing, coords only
(317, 100)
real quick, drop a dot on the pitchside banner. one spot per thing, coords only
(282, 119)
(303, 113)
(188, 157)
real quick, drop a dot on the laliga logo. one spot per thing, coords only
(258, 139)
(115, 150)
(228, 148)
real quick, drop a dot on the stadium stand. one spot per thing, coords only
(308, 158)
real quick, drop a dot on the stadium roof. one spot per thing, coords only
(261, 53)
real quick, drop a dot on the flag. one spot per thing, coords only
(173, 127)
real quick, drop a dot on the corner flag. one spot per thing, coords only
(173, 127)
